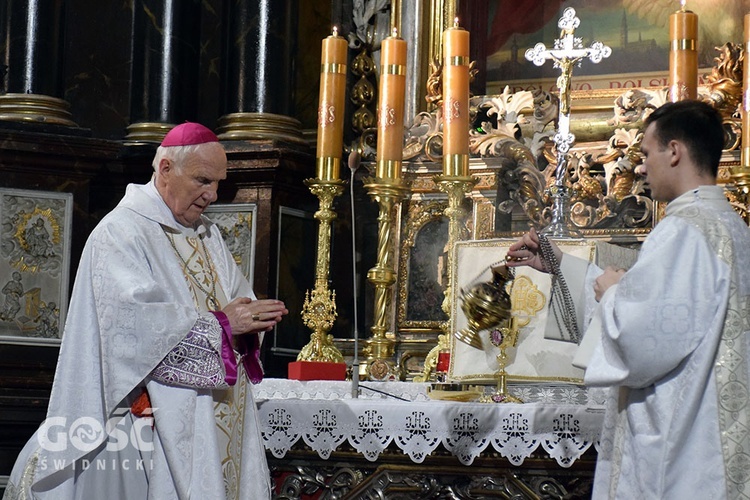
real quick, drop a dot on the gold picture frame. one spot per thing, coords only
(35, 241)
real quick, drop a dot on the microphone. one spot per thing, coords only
(353, 162)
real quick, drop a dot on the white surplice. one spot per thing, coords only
(673, 345)
(131, 306)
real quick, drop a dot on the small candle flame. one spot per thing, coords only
(394, 32)
(682, 5)
(335, 31)
(455, 22)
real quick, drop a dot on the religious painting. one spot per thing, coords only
(637, 31)
(34, 265)
(298, 234)
(422, 273)
(236, 222)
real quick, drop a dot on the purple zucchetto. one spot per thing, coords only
(188, 133)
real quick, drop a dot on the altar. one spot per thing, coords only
(394, 441)
(450, 205)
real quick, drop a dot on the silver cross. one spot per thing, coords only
(567, 52)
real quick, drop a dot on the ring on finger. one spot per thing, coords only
(256, 317)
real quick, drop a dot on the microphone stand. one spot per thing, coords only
(353, 161)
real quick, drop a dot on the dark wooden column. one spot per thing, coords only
(165, 67)
(31, 38)
(257, 63)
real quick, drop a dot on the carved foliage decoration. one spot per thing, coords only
(512, 133)
(607, 191)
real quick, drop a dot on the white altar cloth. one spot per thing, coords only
(529, 392)
(279, 388)
(418, 427)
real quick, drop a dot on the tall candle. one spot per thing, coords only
(456, 101)
(391, 107)
(683, 55)
(331, 107)
(745, 111)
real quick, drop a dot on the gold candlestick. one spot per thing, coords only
(319, 308)
(455, 181)
(456, 187)
(379, 348)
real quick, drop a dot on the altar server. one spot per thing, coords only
(671, 336)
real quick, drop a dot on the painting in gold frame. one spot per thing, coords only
(35, 236)
(636, 30)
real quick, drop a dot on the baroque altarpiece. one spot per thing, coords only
(513, 163)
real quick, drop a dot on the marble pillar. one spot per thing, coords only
(32, 43)
(164, 88)
(257, 70)
(415, 29)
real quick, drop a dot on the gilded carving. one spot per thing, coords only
(724, 83)
(484, 212)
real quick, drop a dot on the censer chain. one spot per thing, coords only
(561, 302)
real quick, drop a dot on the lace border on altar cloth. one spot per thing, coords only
(515, 431)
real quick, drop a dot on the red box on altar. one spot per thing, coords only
(317, 370)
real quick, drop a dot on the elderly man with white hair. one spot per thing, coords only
(151, 396)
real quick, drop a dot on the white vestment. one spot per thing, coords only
(132, 305)
(673, 345)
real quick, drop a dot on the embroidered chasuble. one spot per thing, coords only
(229, 403)
(139, 319)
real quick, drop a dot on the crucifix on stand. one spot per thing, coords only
(567, 52)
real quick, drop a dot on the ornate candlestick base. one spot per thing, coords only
(318, 314)
(560, 228)
(319, 308)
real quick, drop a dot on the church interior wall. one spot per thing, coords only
(93, 160)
